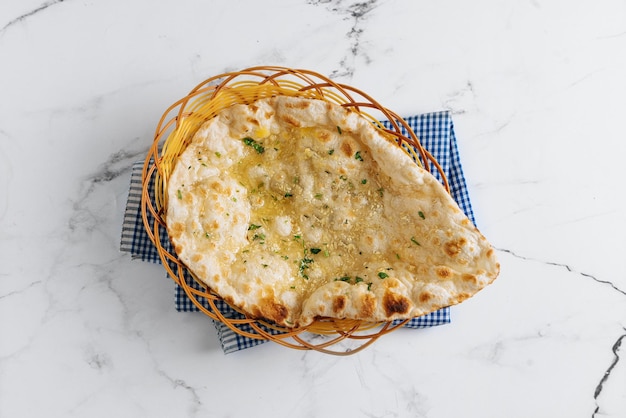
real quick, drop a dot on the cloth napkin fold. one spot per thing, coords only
(436, 134)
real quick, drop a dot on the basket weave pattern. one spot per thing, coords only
(176, 129)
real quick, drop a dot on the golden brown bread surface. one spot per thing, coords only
(293, 209)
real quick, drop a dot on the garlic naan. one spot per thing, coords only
(293, 209)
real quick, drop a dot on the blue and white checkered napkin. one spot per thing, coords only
(436, 134)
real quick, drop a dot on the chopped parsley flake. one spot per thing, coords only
(179, 194)
(357, 156)
(364, 181)
(331, 151)
(414, 241)
(315, 250)
(421, 214)
(339, 130)
(383, 275)
(252, 143)
(252, 227)
(318, 195)
(304, 264)
(218, 154)
(288, 194)
(358, 279)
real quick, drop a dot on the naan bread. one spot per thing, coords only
(293, 209)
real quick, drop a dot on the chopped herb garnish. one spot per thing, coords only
(383, 275)
(206, 235)
(421, 214)
(397, 256)
(292, 287)
(234, 199)
(342, 177)
(339, 130)
(326, 253)
(218, 154)
(252, 143)
(288, 194)
(179, 194)
(297, 237)
(284, 257)
(318, 195)
(252, 227)
(414, 241)
(304, 262)
(345, 279)
(331, 151)
(380, 192)
(264, 265)
(364, 181)
(358, 279)
(259, 237)
(369, 286)
(315, 250)
(357, 156)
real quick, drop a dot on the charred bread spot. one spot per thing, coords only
(368, 305)
(273, 311)
(462, 296)
(425, 296)
(298, 104)
(196, 257)
(324, 136)
(346, 148)
(452, 248)
(395, 304)
(176, 230)
(253, 121)
(217, 186)
(339, 304)
(443, 272)
(291, 120)
(470, 278)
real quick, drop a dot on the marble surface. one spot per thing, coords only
(538, 95)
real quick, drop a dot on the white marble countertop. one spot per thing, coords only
(538, 96)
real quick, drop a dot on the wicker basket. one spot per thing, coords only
(174, 132)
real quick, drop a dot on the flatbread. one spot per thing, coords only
(293, 209)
